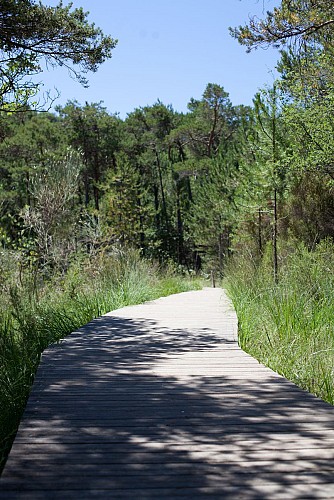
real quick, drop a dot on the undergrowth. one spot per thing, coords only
(289, 325)
(36, 313)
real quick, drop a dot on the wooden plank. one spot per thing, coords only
(175, 468)
(225, 491)
(100, 453)
(180, 480)
(158, 401)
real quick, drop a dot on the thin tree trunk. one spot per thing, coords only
(180, 249)
(97, 174)
(156, 206)
(220, 252)
(260, 233)
(141, 226)
(164, 206)
(275, 233)
(86, 183)
(190, 194)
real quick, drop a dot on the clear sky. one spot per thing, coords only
(169, 50)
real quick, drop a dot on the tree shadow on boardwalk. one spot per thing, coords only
(111, 417)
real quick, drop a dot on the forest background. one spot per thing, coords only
(92, 205)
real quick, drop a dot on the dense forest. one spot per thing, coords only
(244, 192)
(191, 188)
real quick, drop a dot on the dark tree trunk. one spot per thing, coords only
(180, 246)
(260, 233)
(275, 233)
(156, 206)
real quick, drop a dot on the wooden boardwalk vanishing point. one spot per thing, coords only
(157, 401)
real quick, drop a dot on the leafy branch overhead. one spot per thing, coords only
(32, 34)
(301, 21)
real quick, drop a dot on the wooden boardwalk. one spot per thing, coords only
(158, 402)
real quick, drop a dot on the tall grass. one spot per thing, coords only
(289, 326)
(33, 317)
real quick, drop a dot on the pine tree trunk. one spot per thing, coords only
(260, 233)
(275, 232)
(180, 250)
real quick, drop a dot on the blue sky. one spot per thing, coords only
(169, 50)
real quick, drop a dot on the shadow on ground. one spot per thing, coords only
(109, 417)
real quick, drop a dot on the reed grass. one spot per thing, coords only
(289, 325)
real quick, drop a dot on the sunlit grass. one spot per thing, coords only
(289, 326)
